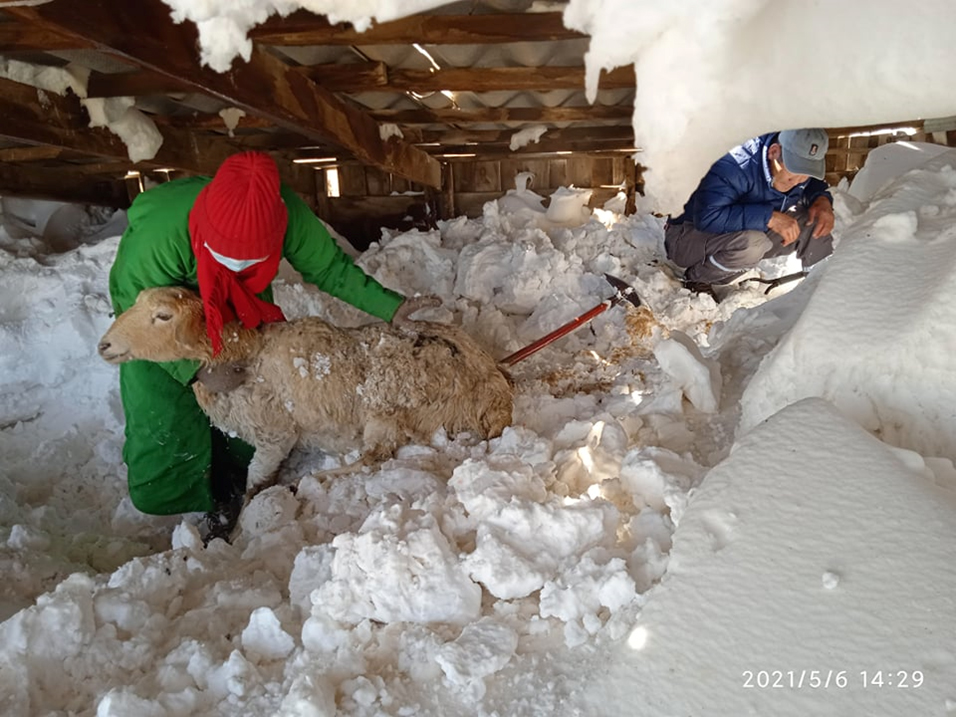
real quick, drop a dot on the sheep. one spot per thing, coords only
(314, 385)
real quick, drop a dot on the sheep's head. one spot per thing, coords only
(165, 324)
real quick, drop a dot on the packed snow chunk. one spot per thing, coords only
(569, 206)
(27, 537)
(140, 134)
(67, 613)
(119, 608)
(482, 490)
(398, 568)
(482, 649)
(269, 510)
(123, 703)
(524, 544)
(387, 130)
(312, 567)
(526, 136)
(887, 163)
(660, 479)
(264, 637)
(237, 675)
(521, 200)
(578, 595)
(322, 634)
(830, 540)
(698, 377)
(589, 452)
(876, 336)
(186, 536)
(309, 696)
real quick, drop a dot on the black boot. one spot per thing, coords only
(228, 494)
(222, 519)
(699, 287)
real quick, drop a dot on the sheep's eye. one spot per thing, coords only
(162, 316)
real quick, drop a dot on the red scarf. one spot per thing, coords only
(228, 295)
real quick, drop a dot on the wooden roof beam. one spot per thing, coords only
(614, 133)
(374, 76)
(264, 86)
(24, 37)
(138, 83)
(61, 184)
(542, 146)
(506, 115)
(305, 28)
(44, 118)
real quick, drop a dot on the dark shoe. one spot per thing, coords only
(699, 287)
(221, 520)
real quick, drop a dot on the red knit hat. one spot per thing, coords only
(239, 215)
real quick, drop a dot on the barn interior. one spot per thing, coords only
(423, 118)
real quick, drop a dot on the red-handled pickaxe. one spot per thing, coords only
(623, 292)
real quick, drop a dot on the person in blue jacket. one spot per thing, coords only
(762, 199)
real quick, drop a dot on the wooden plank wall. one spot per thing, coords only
(371, 199)
(847, 155)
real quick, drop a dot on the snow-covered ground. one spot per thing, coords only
(607, 555)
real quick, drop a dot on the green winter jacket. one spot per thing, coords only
(172, 453)
(156, 251)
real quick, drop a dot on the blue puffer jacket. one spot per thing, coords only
(737, 194)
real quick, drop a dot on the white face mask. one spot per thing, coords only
(234, 264)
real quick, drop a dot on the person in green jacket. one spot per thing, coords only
(224, 235)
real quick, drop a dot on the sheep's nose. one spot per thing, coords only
(104, 346)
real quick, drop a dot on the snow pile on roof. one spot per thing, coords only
(224, 25)
(705, 70)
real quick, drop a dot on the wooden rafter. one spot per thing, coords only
(264, 86)
(24, 37)
(374, 76)
(133, 84)
(43, 118)
(377, 77)
(305, 28)
(542, 146)
(62, 184)
(503, 136)
(208, 122)
(29, 154)
(506, 115)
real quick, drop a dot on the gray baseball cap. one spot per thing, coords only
(804, 151)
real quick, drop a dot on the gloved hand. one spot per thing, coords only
(413, 304)
(223, 378)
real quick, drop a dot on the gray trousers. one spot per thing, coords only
(721, 258)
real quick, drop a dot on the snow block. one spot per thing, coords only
(802, 554)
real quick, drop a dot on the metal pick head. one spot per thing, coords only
(623, 291)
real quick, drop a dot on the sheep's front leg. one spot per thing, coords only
(264, 467)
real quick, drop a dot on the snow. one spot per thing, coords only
(705, 71)
(885, 296)
(688, 493)
(834, 534)
(526, 136)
